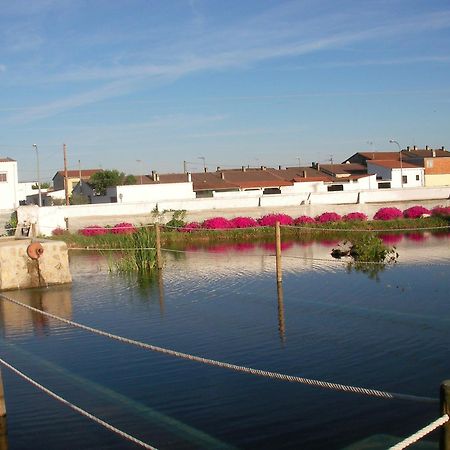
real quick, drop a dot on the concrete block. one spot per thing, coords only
(19, 271)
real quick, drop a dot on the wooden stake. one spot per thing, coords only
(158, 247)
(278, 251)
(444, 442)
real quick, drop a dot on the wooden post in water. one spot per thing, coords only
(278, 251)
(159, 264)
(444, 442)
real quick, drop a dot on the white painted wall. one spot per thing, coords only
(24, 189)
(8, 188)
(304, 186)
(395, 175)
(49, 218)
(238, 194)
(145, 193)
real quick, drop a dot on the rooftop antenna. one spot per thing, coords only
(370, 143)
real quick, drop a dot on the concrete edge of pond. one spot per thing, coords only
(29, 263)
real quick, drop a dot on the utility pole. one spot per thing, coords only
(79, 173)
(66, 187)
(185, 166)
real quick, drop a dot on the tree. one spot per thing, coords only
(44, 185)
(100, 181)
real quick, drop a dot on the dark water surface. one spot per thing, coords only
(388, 332)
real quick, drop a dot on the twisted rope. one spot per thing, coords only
(234, 367)
(77, 408)
(421, 433)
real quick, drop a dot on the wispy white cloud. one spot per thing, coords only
(288, 30)
(48, 109)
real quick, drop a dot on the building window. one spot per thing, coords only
(268, 191)
(335, 187)
(404, 179)
(3, 178)
(429, 163)
(417, 177)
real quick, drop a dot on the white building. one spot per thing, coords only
(8, 184)
(399, 174)
(25, 189)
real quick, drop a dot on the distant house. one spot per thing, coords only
(363, 157)
(8, 184)
(73, 177)
(396, 174)
(436, 163)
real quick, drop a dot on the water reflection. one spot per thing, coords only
(17, 320)
(281, 322)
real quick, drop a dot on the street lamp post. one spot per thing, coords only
(392, 141)
(38, 175)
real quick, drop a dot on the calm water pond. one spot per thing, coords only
(390, 332)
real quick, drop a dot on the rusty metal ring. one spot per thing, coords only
(35, 250)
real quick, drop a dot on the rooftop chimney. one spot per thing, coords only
(442, 148)
(414, 147)
(218, 169)
(304, 174)
(426, 147)
(408, 149)
(433, 152)
(189, 176)
(244, 168)
(279, 167)
(263, 167)
(222, 175)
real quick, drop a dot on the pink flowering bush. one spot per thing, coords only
(269, 220)
(415, 212)
(304, 220)
(189, 227)
(443, 211)
(243, 222)
(58, 231)
(328, 217)
(94, 230)
(388, 214)
(355, 216)
(216, 223)
(123, 228)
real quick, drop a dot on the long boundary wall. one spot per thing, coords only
(51, 217)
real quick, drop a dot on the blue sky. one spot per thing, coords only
(143, 85)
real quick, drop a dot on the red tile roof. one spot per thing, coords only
(87, 173)
(394, 164)
(7, 159)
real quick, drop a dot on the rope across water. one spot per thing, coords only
(234, 367)
(77, 408)
(421, 433)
